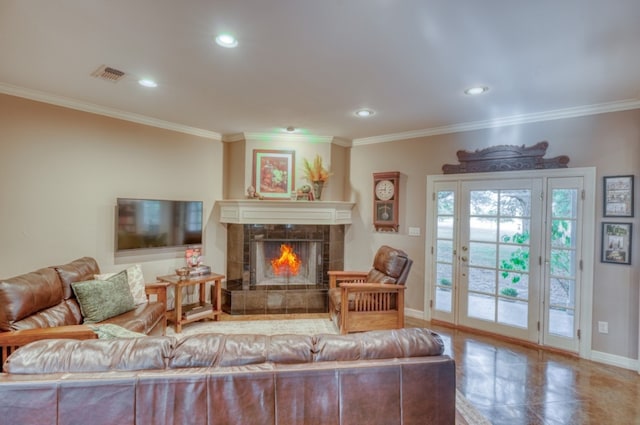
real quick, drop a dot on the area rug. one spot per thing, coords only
(466, 413)
(262, 327)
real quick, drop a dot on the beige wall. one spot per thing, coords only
(61, 171)
(610, 142)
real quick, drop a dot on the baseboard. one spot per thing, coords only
(613, 360)
(416, 314)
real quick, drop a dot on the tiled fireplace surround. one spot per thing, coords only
(240, 297)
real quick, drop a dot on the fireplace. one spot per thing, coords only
(280, 268)
(285, 262)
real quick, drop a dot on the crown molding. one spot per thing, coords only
(558, 114)
(105, 111)
(283, 137)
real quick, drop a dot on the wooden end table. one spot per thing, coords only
(177, 315)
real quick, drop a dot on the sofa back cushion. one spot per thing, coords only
(209, 350)
(91, 355)
(385, 344)
(64, 314)
(76, 271)
(27, 294)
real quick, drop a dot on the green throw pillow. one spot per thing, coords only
(101, 299)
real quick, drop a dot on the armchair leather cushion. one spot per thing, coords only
(389, 266)
(102, 299)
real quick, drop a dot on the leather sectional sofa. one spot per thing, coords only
(41, 304)
(377, 377)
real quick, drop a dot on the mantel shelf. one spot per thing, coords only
(249, 211)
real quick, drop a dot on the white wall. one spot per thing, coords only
(61, 171)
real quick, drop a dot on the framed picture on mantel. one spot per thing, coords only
(274, 173)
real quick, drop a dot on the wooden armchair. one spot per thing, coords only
(363, 301)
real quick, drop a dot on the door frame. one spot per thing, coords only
(588, 238)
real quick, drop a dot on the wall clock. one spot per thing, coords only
(386, 188)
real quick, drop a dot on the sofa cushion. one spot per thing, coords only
(136, 282)
(103, 299)
(63, 314)
(76, 271)
(27, 294)
(384, 344)
(210, 350)
(143, 318)
(91, 355)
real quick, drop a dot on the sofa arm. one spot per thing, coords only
(337, 276)
(11, 341)
(159, 289)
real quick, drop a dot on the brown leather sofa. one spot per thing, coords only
(41, 304)
(377, 377)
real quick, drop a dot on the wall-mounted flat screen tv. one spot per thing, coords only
(156, 223)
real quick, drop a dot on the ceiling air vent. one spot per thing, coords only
(107, 73)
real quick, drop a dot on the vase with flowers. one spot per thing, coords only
(316, 174)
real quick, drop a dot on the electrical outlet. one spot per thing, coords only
(603, 327)
(414, 231)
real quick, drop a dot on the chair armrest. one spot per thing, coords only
(159, 289)
(337, 276)
(371, 286)
(11, 341)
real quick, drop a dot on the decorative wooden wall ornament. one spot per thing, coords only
(505, 158)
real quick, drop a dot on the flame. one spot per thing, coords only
(288, 263)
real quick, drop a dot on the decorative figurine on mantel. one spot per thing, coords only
(252, 194)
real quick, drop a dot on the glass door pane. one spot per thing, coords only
(496, 246)
(562, 263)
(444, 251)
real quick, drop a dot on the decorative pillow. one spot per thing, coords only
(102, 299)
(109, 330)
(136, 282)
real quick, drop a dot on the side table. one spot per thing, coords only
(177, 315)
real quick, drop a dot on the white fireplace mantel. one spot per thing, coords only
(250, 211)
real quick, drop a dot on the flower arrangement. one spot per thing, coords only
(315, 172)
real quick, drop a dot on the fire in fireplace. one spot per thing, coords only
(286, 262)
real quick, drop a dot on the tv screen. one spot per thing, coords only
(155, 223)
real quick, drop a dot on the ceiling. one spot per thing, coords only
(311, 64)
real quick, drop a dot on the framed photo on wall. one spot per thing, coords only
(618, 196)
(274, 173)
(616, 243)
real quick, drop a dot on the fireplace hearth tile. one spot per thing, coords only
(255, 302)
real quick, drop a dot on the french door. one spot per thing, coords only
(506, 253)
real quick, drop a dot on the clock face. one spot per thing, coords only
(385, 190)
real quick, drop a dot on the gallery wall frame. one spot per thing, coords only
(618, 196)
(616, 242)
(274, 173)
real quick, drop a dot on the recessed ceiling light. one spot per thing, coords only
(472, 91)
(364, 113)
(147, 83)
(226, 40)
